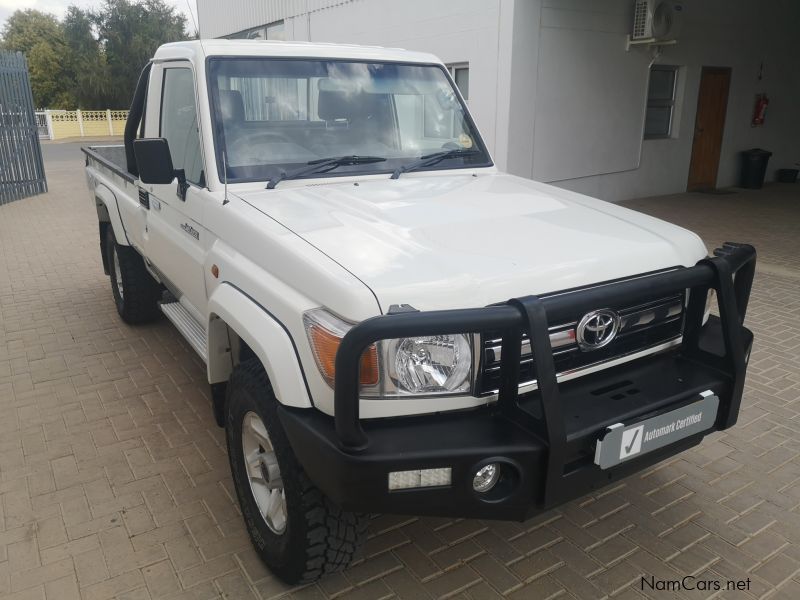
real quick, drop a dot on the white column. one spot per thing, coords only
(110, 124)
(80, 121)
(49, 120)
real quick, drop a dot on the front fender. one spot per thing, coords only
(264, 334)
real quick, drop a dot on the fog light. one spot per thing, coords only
(403, 480)
(486, 478)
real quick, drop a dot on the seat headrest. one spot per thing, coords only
(231, 106)
(338, 104)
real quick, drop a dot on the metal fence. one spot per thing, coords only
(21, 165)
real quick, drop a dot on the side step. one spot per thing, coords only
(190, 328)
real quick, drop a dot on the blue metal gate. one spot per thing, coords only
(21, 165)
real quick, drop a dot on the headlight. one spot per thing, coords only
(414, 366)
(438, 364)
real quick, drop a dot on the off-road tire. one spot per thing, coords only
(319, 537)
(138, 302)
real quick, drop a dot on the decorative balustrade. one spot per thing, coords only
(84, 123)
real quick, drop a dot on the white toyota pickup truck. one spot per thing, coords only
(389, 323)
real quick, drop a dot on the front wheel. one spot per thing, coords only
(298, 532)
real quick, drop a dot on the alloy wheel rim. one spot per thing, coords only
(118, 275)
(263, 473)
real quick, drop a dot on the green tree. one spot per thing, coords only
(25, 28)
(91, 59)
(129, 32)
(86, 61)
(39, 36)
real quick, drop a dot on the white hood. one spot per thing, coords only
(456, 240)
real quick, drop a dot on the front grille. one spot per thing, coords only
(641, 327)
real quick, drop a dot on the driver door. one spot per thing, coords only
(177, 242)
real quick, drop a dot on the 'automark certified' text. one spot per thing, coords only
(676, 425)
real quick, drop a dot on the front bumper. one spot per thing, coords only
(544, 440)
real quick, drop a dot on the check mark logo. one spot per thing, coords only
(633, 441)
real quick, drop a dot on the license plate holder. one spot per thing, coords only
(621, 442)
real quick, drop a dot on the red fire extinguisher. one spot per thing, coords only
(760, 110)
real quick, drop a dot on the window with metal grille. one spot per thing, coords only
(660, 101)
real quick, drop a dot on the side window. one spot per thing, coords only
(460, 74)
(461, 77)
(179, 122)
(660, 101)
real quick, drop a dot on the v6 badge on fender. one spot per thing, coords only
(622, 442)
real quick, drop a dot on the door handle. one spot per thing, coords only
(183, 185)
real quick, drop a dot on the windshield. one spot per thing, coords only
(275, 115)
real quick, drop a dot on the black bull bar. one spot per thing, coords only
(730, 272)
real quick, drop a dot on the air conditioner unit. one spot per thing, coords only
(656, 20)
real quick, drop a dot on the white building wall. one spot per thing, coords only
(218, 18)
(517, 68)
(590, 92)
(553, 90)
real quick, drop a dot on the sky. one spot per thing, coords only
(59, 7)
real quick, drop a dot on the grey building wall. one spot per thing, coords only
(740, 34)
(553, 89)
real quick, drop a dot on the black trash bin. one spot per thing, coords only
(754, 167)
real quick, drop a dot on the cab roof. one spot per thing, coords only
(199, 49)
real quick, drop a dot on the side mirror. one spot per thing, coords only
(154, 161)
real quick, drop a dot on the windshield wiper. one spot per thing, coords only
(314, 166)
(432, 159)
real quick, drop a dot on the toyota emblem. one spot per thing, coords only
(597, 329)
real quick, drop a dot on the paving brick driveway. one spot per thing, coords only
(114, 480)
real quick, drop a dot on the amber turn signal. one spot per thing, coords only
(325, 344)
